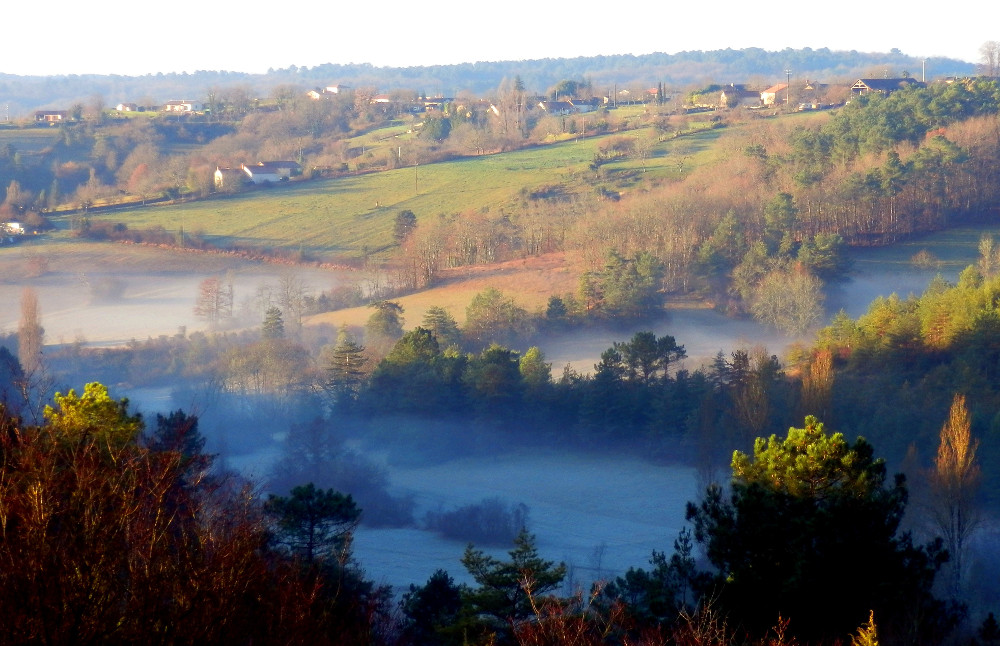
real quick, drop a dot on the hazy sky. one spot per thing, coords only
(252, 36)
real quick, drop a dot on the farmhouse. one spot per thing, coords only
(181, 105)
(318, 93)
(436, 104)
(734, 95)
(883, 86)
(586, 105)
(51, 116)
(271, 171)
(557, 107)
(229, 179)
(775, 94)
(126, 107)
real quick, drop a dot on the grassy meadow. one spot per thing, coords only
(29, 139)
(348, 218)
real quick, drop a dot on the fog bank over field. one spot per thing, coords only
(599, 514)
(103, 300)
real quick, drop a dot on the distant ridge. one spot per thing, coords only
(24, 94)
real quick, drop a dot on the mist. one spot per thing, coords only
(600, 513)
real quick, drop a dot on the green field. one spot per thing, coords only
(346, 217)
(29, 139)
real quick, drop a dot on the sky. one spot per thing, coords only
(255, 35)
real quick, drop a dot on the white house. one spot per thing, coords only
(271, 171)
(775, 94)
(181, 105)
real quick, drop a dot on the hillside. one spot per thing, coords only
(23, 95)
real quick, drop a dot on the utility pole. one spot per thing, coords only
(788, 80)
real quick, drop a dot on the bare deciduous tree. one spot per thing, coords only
(215, 300)
(29, 333)
(989, 64)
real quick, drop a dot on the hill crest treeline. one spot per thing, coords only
(23, 94)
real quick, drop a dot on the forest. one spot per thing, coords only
(804, 536)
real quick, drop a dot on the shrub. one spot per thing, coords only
(490, 522)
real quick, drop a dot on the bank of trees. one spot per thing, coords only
(807, 517)
(114, 536)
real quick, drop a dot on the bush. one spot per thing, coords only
(489, 522)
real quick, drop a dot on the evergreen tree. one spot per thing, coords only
(500, 599)
(345, 368)
(443, 325)
(274, 326)
(431, 611)
(385, 326)
(314, 524)
(404, 225)
(811, 525)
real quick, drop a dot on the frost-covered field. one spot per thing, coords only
(600, 515)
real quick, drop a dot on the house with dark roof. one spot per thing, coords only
(229, 179)
(884, 86)
(436, 103)
(736, 95)
(271, 171)
(556, 107)
(51, 116)
(586, 105)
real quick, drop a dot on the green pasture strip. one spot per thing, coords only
(29, 139)
(347, 217)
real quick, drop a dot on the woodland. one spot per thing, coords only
(799, 537)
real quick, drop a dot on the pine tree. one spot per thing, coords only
(345, 368)
(314, 524)
(274, 326)
(501, 598)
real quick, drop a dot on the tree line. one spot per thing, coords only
(115, 533)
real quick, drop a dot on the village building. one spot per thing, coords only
(774, 95)
(884, 86)
(557, 108)
(271, 171)
(738, 96)
(51, 116)
(182, 105)
(229, 179)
